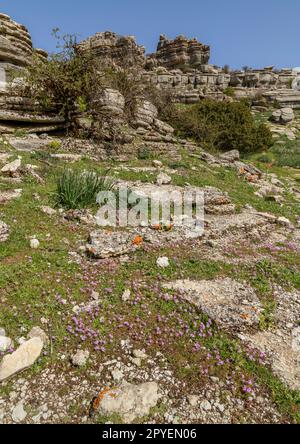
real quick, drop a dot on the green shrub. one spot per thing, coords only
(229, 91)
(79, 189)
(55, 145)
(223, 126)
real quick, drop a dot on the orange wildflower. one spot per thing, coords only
(138, 240)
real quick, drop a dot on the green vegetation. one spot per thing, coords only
(223, 126)
(77, 189)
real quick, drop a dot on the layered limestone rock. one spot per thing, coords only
(190, 87)
(263, 78)
(16, 111)
(281, 86)
(114, 49)
(110, 103)
(179, 53)
(15, 42)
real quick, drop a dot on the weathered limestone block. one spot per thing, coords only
(145, 115)
(111, 102)
(284, 116)
(15, 42)
(114, 49)
(17, 112)
(180, 52)
(163, 127)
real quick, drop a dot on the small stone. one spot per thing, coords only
(80, 358)
(205, 405)
(34, 243)
(163, 262)
(220, 407)
(126, 296)
(95, 295)
(139, 354)
(136, 361)
(12, 167)
(193, 400)
(117, 375)
(48, 210)
(5, 344)
(284, 222)
(19, 414)
(4, 232)
(157, 164)
(163, 179)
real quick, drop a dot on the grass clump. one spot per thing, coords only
(223, 126)
(79, 189)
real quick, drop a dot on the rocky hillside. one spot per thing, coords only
(157, 323)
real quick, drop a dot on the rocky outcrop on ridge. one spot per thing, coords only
(179, 53)
(115, 49)
(19, 112)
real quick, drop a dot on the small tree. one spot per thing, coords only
(66, 81)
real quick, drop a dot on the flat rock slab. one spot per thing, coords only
(67, 157)
(12, 167)
(22, 358)
(29, 143)
(283, 351)
(6, 196)
(104, 244)
(246, 221)
(229, 303)
(29, 117)
(4, 231)
(129, 401)
(191, 229)
(216, 202)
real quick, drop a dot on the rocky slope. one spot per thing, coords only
(157, 323)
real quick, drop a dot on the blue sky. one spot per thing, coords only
(256, 33)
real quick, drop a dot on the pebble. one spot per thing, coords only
(19, 414)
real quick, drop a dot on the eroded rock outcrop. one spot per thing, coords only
(18, 111)
(15, 42)
(114, 49)
(180, 53)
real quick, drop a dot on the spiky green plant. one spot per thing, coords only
(79, 189)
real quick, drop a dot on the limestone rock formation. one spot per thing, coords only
(114, 49)
(284, 116)
(110, 103)
(15, 42)
(18, 112)
(180, 53)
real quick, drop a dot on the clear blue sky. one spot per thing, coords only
(241, 32)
